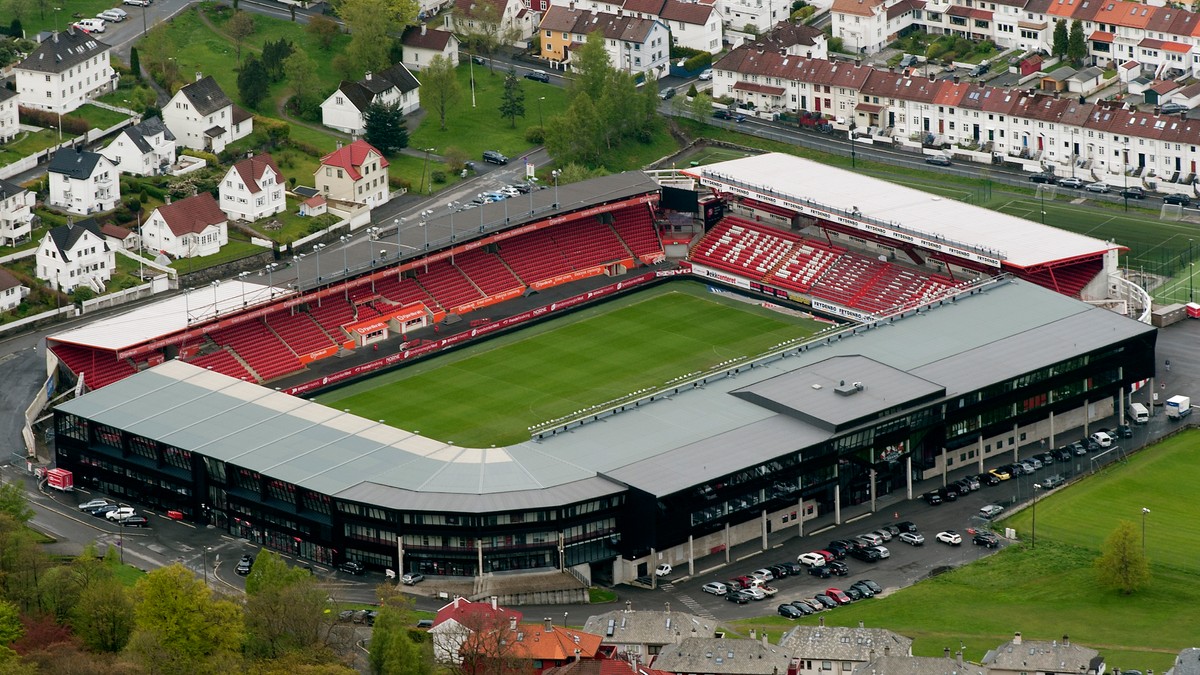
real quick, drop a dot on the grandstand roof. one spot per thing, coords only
(157, 319)
(1001, 330)
(1020, 242)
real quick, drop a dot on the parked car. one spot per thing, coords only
(883, 534)
(938, 160)
(1181, 200)
(715, 587)
(1079, 448)
(1054, 481)
(793, 568)
(811, 559)
(1133, 193)
(991, 511)
(839, 568)
(854, 592)
(838, 595)
(706, 74)
(726, 115)
(410, 579)
(948, 493)
(244, 565)
(93, 504)
(1041, 178)
(980, 70)
(666, 93)
(1102, 188)
(136, 521)
(121, 513)
(764, 574)
(1124, 431)
(862, 589)
(912, 538)
(875, 588)
(1073, 183)
(988, 479)
(538, 75)
(985, 539)
(116, 15)
(909, 60)
(932, 498)
(136, 3)
(820, 571)
(883, 552)
(1173, 108)
(91, 25)
(102, 511)
(755, 593)
(949, 537)
(352, 567)
(778, 570)
(493, 157)
(866, 554)
(787, 611)
(906, 526)
(1063, 454)
(1000, 473)
(740, 597)
(871, 539)
(1046, 458)
(825, 600)
(803, 607)
(663, 570)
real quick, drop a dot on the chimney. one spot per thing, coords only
(960, 659)
(860, 623)
(494, 602)
(199, 76)
(945, 652)
(821, 621)
(1017, 638)
(422, 29)
(167, 198)
(956, 79)
(1066, 640)
(628, 606)
(548, 624)
(753, 634)
(764, 639)
(456, 599)
(338, 146)
(367, 76)
(887, 650)
(512, 623)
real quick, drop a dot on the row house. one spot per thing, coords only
(510, 19)
(1098, 141)
(634, 45)
(65, 71)
(695, 25)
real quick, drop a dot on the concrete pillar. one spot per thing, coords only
(1121, 405)
(979, 452)
(837, 504)
(763, 526)
(479, 559)
(944, 467)
(399, 556)
(908, 475)
(726, 542)
(1016, 445)
(1086, 420)
(873, 509)
(800, 513)
(1150, 395)
(691, 557)
(562, 551)
(1052, 443)
(653, 564)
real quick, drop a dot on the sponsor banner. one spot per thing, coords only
(318, 355)
(480, 331)
(723, 277)
(671, 273)
(838, 310)
(368, 327)
(488, 301)
(567, 278)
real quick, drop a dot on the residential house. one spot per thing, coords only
(723, 656)
(1186, 663)
(515, 19)
(16, 213)
(144, 149)
(795, 39)
(83, 182)
(457, 620)
(12, 291)
(253, 189)
(695, 25)
(120, 237)
(314, 206)
(885, 664)
(538, 647)
(1019, 656)
(188, 228)
(603, 667)
(634, 45)
(644, 634)
(75, 254)
(775, 80)
(346, 106)
(9, 124)
(355, 173)
(759, 15)
(64, 72)
(202, 117)
(817, 647)
(422, 43)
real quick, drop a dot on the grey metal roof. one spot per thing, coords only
(138, 133)
(839, 390)
(917, 665)
(661, 447)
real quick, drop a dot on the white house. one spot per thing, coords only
(16, 213)
(422, 43)
(83, 182)
(120, 237)
(634, 45)
(354, 173)
(9, 125)
(145, 149)
(457, 620)
(344, 108)
(65, 71)
(695, 25)
(188, 228)
(12, 291)
(515, 18)
(761, 14)
(253, 189)
(75, 254)
(203, 118)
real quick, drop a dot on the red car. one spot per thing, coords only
(829, 557)
(741, 582)
(838, 595)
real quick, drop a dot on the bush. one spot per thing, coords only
(399, 182)
(678, 52)
(803, 14)
(212, 159)
(698, 62)
(437, 176)
(535, 135)
(306, 148)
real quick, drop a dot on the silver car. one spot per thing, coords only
(912, 538)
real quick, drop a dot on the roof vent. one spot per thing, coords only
(844, 389)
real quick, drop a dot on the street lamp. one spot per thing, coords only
(242, 280)
(555, 173)
(317, 251)
(187, 312)
(1033, 539)
(541, 122)
(270, 270)
(1125, 173)
(853, 126)
(296, 260)
(205, 553)
(425, 170)
(214, 285)
(1144, 512)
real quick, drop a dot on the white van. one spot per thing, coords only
(1102, 439)
(1138, 414)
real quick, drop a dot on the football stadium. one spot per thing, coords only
(631, 374)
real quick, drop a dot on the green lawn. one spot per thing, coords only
(35, 21)
(1050, 591)
(236, 249)
(97, 117)
(28, 143)
(492, 393)
(479, 127)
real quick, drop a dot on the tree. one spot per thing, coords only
(439, 87)
(284, 608)
(385, 127)
(274, 55)
(10, 624)
(592, 67)
(1060, 38)
(322, 29)
(17, 9)
(135, 63)
(14, 503)
(702, 105)
(392, 648)
(483, 29)
(571, 136)
(1076, 45)
(1122, 564)
(240, 27)
(103, 616)
(179, 628)
(371, 24)
(303, 81)
(252, 81)
(512, 99)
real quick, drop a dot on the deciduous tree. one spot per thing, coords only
(385, 127)
(301, 73)
(439, 87)
(103, 616)
(512, 99)
(284, 608)
(14, 503)
(483, 29)
(393, 649)
(181, 629)
(371, 24)
(322, 29)
(1122, 564)
(240, 27)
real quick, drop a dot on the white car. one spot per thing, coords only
(662, 570)
(883, 552)
(871, 539)
(950, 537)
(764, 574)
(115, 15)
(91, 25)
(706, 74)
(912, 538)
(136, 3)
(121, 513)
(991, 511)
(715, 587)
(811, 559)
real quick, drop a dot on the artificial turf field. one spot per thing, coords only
(1051, 590)
(491, 393)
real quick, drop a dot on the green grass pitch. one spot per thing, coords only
(491, 393)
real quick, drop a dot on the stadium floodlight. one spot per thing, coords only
(556, 173)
